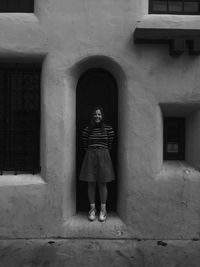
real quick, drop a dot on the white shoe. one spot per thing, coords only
(102, 216)
(92, 214)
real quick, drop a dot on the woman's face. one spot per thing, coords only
(97, 116)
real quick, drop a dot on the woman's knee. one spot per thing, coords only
(91, 184)
(102, 185)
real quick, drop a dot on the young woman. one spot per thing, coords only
(97, 165)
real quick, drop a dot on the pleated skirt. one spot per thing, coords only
(97, 166)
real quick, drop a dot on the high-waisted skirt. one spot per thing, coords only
(97, 166)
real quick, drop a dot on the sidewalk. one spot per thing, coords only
(105, 253)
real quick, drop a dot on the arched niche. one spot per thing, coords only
(96, 87)
(75, 73)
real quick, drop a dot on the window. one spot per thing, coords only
(174, 138)
(17, 6)
(19, 118)
(188, 7)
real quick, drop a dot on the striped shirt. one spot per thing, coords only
(97, 138)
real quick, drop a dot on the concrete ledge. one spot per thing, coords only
(18, 17)
(174, 168)
(169, 22)
(20, 180)
(79, 226)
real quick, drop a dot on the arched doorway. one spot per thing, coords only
(95, 87)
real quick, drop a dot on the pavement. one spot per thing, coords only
(99, 252)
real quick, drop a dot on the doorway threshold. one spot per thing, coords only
(78, 226)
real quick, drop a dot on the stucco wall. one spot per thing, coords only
(156, 199)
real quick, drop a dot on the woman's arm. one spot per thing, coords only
(85, 134)
(111, 134)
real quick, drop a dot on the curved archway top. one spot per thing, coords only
(99, 62)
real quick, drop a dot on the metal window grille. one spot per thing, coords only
(19, 120)
(186, 7)
(17, 6)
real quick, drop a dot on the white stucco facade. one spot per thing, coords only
(156, 199)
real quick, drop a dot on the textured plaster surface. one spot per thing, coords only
(156, 199)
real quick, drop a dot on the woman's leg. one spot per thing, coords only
(103, 196)
(91, 196)
(103, 192)
(91, 192)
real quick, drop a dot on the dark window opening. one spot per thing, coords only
(187, 7)
(26, 6)
(19, 118)
(174, 138)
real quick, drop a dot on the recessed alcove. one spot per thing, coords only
(21, 113)
(190, 113)
(96, 87)
(77, 213)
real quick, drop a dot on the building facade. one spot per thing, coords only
(142, 66)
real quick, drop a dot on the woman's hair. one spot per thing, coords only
(92, 122)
